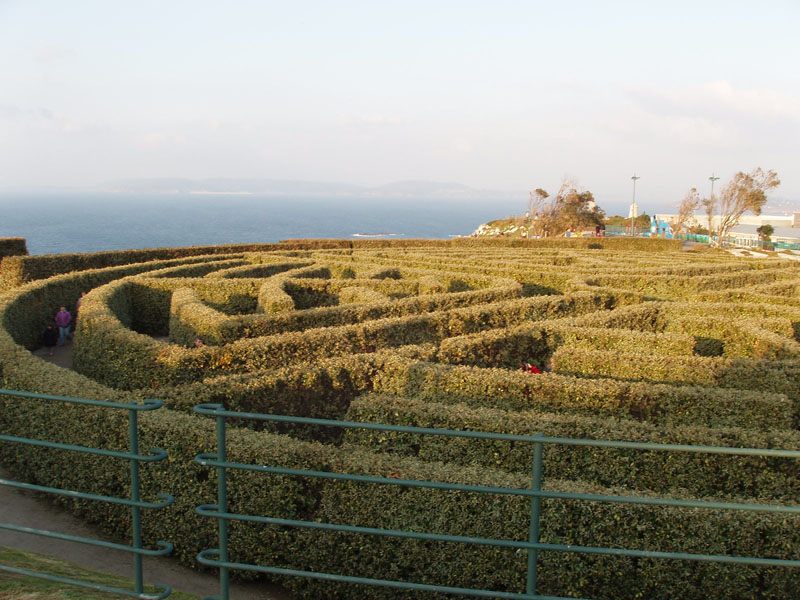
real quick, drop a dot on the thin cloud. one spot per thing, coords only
(719, 98)
(46, 53)
(371, 120)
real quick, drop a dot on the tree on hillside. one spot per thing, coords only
(764, 232)
(745, 192)
(580, 211)
(643, 221)
(686, 210)
(552, 215)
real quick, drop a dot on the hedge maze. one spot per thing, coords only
(638, 343)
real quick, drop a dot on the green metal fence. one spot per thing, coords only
(219, 557)
(134, 502)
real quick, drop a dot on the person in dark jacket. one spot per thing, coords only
(50, 339)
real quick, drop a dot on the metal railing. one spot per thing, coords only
(134, 502)
(533, 546)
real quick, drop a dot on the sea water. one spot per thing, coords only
(55, 223)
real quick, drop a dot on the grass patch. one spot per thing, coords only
(20, 587)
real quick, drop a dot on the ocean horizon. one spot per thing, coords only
(55, 223)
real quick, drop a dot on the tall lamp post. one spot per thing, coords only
(711, 207)
(634, 208)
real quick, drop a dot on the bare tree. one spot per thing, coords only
(537, 207)
(709, 204)
(686, 210)
(536, 201)
(745, 192)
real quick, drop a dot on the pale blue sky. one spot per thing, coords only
(500, 95)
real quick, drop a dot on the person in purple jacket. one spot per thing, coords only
(63, 319)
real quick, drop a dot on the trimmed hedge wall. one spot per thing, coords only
(678, 288)
(551, 392)
(441, 512)
(614, 244)
(535, 343)
(782, 377)
(171, 364)
(23, 269)
(361, 295)
(287, 320)
(259, 270)
(186, 315)
(110, 338)
(664, 472)
(407, 371)
(271, 299)
(12, 247)
(25, 312)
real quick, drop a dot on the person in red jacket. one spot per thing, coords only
(529, 368)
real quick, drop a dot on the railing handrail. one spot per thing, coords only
(220, 511)
(211, 410)
(134, 502)
(147, 403)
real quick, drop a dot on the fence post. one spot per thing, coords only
(536, 506)
(222, 507)
(136, 511)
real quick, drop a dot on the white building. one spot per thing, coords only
(745, 235)
(777, 221)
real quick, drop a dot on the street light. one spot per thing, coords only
(634, 208)
(711, 206)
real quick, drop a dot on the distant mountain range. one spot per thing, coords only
(277, 187)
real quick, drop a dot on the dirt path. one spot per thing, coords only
(27, 509)
(62, 355)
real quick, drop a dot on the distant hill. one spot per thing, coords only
(402, 189)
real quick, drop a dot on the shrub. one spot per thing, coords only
(272, 298)
(12, 247)
(701, 475)
(360, 295)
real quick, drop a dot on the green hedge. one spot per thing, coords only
(169, 364)
(186, 315)
(681, 288)
(535, 343)
(408, 371)
(663, 472)
(741, 338)
(230, 296)
(271, 299)
(12, 247)
(115, 307)
(209, 266)
(286, 319)
(26, 311)
(442, 512)
(360, 295)
(22, 269)
(782, 377)
(613, 244)
(259, 270)
(568, 523)
(551, 392)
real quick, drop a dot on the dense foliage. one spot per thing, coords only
(636, 343)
